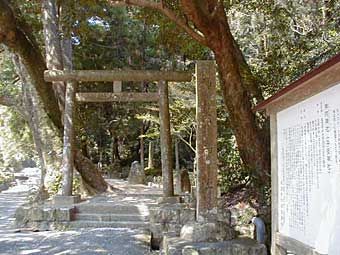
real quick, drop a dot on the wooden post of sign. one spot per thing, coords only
(206, 141)
(275, 249)
(166, 146)
(68, 149)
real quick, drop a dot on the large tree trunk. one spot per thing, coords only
(91, 176)
(15, 37)
(31, 104)
(252, 142)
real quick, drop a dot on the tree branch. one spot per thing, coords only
(186, 142)
(167, 12)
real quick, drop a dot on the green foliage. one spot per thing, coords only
(16, 142)
(283, 41)
(56, 184)
(8, 77)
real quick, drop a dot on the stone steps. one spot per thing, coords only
(122, 214)
(106, 224)
(126, 208)
(111, 217)
(110, 209)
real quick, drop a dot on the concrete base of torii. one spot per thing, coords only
(60, 200)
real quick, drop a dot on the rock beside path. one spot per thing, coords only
(137, 174)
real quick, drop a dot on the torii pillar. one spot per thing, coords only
(166, 144)
(206, 141)
(66, 197)
(205, 228)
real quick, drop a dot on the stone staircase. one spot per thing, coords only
(127, 209)
(101, 215)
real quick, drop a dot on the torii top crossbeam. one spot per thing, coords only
(117, 75)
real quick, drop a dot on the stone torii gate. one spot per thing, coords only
(206, 137)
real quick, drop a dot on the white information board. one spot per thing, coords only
(309, 171)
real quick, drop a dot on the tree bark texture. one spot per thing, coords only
(206, 140)
(31, 105)
(166, 146)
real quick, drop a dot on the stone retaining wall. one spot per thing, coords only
(176, 246)
(43, 217)
(168, 219)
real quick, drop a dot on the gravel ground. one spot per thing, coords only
(83, 241)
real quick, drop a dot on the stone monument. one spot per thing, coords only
(137, 174)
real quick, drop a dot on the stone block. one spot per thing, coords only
(174, 230)
(36, 214)
(49, 214)
(170, 246)
(169, 200)
(239, 250)
(245, 246)
(199, 232)
(64, 214)
(164, 215)
(258, 250)
(187, 215)
(170, 215)
(224, 232)
(189, 250)
(157, 230)
(21, 216)
(60, 201)
(155, 215)
(40, 225)
(224, 215)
